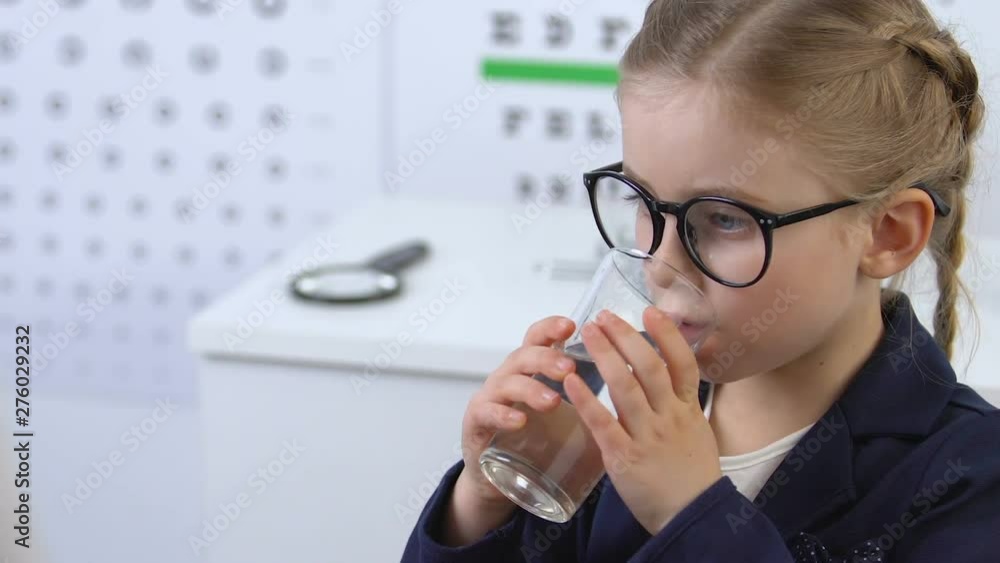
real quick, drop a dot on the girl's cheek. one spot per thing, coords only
(734, 307)
(744, 341)
(732, 310)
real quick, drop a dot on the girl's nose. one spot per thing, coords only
(672, 251)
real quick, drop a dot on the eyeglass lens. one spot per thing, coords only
(727, 240)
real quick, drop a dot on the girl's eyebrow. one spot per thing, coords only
(731, 192)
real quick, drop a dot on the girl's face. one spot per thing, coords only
(683, 146)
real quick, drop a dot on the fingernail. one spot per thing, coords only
(549, 395)
(515, 416)
(603, 316)
(564, 365)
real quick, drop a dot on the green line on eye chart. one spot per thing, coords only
(526, 70)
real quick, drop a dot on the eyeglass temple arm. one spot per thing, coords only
(806, 214)
(616, 167)
(940, 206)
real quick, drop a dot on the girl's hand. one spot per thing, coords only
(660, 452)
(490, 409)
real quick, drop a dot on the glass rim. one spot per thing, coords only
(634, 253)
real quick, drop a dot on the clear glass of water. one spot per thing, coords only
(551, 464)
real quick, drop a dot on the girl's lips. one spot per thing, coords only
(692, 332)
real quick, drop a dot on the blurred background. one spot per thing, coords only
(168, 166)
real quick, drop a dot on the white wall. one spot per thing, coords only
(363, 91)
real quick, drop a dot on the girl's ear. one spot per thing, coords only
(899, 234)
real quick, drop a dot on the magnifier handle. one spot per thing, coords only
(399, 258)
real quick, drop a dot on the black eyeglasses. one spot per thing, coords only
(729, 240)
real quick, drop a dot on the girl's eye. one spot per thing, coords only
(725, 219)
(635, 201)
(727, 222)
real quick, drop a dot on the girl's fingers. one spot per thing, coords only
(548, 331)
(626, 393)
(485, 419)
(525, 390)
(609, 434)
(495, 416)
(537, 359)
(648, 367)
(682, 366)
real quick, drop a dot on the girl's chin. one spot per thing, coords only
(718, 361)
(718, 380)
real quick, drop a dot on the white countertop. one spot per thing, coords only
(489, 259)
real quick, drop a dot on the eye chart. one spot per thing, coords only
(527, 106)
(522, 111)
(153, 154)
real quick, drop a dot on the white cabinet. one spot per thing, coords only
(369, 397)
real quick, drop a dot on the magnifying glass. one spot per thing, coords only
(373, 280)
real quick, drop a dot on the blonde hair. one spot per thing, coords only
(893, 99)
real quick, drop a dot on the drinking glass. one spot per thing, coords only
(551, 464)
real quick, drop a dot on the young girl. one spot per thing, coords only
(835, 138)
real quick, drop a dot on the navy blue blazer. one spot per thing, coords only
(904, 467)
